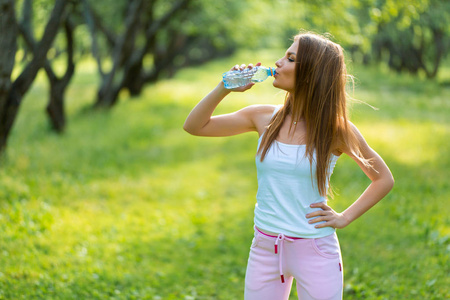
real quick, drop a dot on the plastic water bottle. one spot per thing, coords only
(237, 78)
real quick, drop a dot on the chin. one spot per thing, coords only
(275, 84)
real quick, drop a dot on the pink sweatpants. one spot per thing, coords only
(274, 262)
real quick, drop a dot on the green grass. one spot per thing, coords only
(125, 205)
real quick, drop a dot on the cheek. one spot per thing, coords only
(277, 82)
(281, 83)
(285, 82)
(290, 80)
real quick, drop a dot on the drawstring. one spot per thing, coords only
(280, 240)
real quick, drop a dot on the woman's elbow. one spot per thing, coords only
(392, 182)
(190, 129)
(389, 182)
(187, 128)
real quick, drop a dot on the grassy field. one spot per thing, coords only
(126, 205)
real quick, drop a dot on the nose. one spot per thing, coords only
(278, 63)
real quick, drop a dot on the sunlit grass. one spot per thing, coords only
(409, 143)
(125, 205)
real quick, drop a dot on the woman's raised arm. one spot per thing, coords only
(201, 122)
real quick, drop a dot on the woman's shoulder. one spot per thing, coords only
(261, 114)
(263, 110)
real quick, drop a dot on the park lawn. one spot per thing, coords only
(126, 205)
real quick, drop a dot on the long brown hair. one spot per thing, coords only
(320, 99)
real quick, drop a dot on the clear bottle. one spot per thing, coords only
(237, 78)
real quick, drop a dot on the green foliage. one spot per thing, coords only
(412, 36)
(126, 205)
(112, 13)
(41, 12)
(408, 35)
(213, 26)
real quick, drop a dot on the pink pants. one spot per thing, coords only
(274, 262)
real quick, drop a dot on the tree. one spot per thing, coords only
(170, 34)
(413, 38)
(143, 40)
(58, 85)
(127, 56)
(12, 92)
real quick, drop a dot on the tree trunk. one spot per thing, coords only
(92, 23)
(438, 37)
(134, 80)
(130, 59)
(8, 48)
(108, 92)
(58, 86)
(12, 97)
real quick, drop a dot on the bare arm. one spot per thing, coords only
(252, 118)
(382, 183)
(200, 120)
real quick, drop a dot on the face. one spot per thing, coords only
(285, 72)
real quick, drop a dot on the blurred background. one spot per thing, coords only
(104, 196)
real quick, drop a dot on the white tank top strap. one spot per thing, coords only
(277, 108)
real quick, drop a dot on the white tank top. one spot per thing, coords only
(286, 190)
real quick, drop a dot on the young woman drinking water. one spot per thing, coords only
(299, 144)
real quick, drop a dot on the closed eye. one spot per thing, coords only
(291, 56)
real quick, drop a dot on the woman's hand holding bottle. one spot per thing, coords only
(242, 68)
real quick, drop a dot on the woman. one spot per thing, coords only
(298, 147)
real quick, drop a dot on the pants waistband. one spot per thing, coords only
(276, 236)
